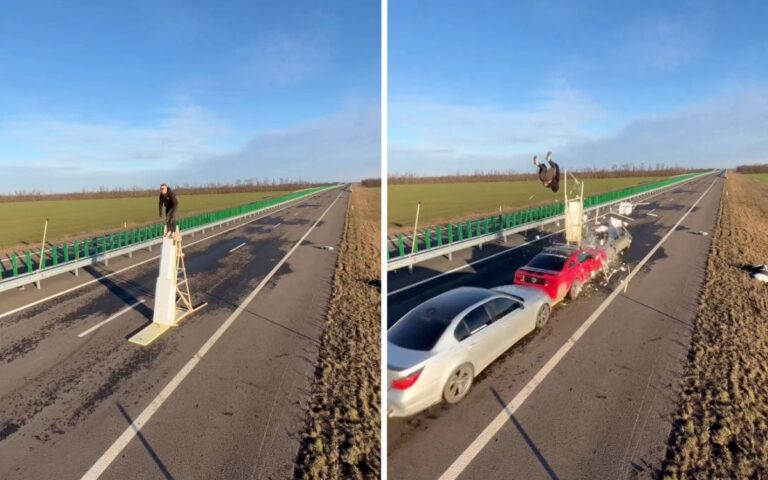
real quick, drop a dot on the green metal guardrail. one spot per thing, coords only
(435, 237)
(79, 249)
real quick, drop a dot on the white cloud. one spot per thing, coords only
(342, 146)
(171, 137)
(433, 132)
(723, 132)
(177, 148)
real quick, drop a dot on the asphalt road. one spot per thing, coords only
(604, 410)
(236, 413)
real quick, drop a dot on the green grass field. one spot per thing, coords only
(760, 177)
(443, 202)
(21, 223)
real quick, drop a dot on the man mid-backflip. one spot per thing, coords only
(168, 199)
(550, 177)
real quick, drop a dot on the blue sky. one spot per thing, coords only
(138, 92)
(486, 84)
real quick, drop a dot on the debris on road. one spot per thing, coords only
(625, 208)
(758, 271)
(701, 232)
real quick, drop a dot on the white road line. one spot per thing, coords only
(651, 214)
(467, 265)
(124, 439)
(242, 244)
(101, 324)
(89, 282)
(464, 459)
(277, 225)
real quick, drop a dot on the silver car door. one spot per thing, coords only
(507, 313)
(481, 343)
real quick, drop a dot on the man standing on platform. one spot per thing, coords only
(168, 199)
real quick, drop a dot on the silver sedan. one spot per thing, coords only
(437, 349)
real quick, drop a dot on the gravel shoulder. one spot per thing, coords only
(721, 427)
(342, 434)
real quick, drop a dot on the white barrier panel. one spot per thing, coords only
(574, 217)
(172, 298)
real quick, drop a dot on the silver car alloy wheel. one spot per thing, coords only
(542, 316)
(458, 384)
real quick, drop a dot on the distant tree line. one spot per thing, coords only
(616, 171)
(239, 186)
(759, 168)
(371, 182)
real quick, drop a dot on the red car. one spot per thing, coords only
(561, 270)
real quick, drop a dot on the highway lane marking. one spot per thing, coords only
(277, 225)
(101, 324)
(124, 439)
(241, 245)
(464, 459)
(96, 279)
(467, 265)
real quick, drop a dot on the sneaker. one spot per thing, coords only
(536, 160)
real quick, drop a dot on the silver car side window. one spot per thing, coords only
(461, 332)
(477, 319)
(501, 307)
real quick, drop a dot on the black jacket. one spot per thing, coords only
(169, 200)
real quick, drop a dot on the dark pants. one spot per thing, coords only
(170, 219)
(550, 177)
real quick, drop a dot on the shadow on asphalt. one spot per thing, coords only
(124, 294)
(147, 446)
(531, 444)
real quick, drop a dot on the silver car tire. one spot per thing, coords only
(543, 316)
(458, 384)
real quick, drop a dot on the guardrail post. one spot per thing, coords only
(469, 230)
(400, 245)
(29, 261)
(55, 255)
(427, 239)
(65, 246)
(486, 225)
(450, 233)
(15, 264)
(440, 236)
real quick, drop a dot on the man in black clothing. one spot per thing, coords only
(168, 198)
(550, 177)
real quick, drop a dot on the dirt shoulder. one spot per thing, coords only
(721, 428)
(342, 434)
